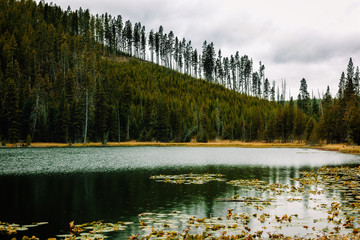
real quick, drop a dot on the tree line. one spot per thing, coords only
(69, 76)
(117, 36)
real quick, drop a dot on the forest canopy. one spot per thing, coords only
(69, 76)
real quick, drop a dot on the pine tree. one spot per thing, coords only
(255, 81)
(151, 44)
(195, 63)
(272, 92)
(175, 124)
(125, 103)
(176, 52)
(101, 114)
(357, 81)
(203, 126)
(315, 109)
(137, 38)
(233, 72)
(219, 68)
(63, 120)
(310, 125)
(119, 29)
(11, 111)
(208, 61)
(341, 86)
(266, 89)
(354, 123)
(128, 36)
(299, 126)
(349, 90)
(107, 29)
(290, 118)
(157, 47)
(162, 125)
(304, 97)
(327, 99)
(143, 43)
(75, 121)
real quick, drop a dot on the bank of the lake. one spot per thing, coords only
(344, 148)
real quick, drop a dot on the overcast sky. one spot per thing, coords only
(311, 39)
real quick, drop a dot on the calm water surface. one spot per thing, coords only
(58, 185)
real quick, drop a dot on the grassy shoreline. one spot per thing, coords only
(344, 148)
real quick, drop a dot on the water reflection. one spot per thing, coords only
(124, 192)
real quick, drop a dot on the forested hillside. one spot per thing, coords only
(69, 76)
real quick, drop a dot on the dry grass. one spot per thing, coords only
(351, 149)
(344, 148)
(222, 143)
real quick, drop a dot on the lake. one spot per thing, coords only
(58, 185)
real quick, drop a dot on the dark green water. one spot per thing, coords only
(58, 185)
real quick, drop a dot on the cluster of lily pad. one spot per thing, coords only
(272, 189)
(177, 225)
(188, 178)
(12, 229)
(183, 226)
(342, 220)
(95, 230)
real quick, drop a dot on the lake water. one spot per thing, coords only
(58, 185)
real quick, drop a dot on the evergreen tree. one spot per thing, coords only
(349, 90)
(128, 36)
(119, 29)
(304, 97)
(125, 103)
(170, 49)
(357, 81)
(203, 126)
(143, 43)
(341, 86)
(157, 46)
(162, 124)
(272, 92)
(266, 89)
(354, 123)
(63, 120)
(11, 111)
(101, 114)
(175, 124)
(327, 99)
(219, 69)
(137, 38)
(233, 72)
(255, 82)
(315, 109)
(151, 44)
(226, 69)
(290, 109)
(309, 129)
(299, 126)
(208, 61)
(195, 62)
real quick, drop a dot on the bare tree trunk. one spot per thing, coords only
(128, 129)
(119, 130)
(86, 115)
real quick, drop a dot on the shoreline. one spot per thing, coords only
(344, 148)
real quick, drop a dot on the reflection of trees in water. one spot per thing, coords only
(122, 195)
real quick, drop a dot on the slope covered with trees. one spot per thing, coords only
(69, 76)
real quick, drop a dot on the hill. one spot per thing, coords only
(64, 80)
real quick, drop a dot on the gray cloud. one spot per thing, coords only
(313, 48)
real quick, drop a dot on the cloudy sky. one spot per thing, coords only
(294, 39)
